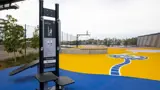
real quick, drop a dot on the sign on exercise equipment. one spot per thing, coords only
(49, 40)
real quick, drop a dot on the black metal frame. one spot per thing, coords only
(57, 21)
(41, 65)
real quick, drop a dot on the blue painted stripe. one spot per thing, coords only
(115, 70)
(115, 73)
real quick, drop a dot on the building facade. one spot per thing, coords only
(150, 40)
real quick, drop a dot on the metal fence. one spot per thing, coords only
(65, 38)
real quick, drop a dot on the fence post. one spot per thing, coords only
(25, 40)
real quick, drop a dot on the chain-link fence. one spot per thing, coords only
(65, 38)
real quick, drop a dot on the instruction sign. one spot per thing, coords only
(49, 40)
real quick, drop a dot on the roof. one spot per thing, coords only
(2, 2)
(6, 4)
(10, 7)
(1, 19)
(150, 34)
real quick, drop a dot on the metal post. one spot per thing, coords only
(25, 40)
(70, 39)
(67, 38)
(57, 41)
(59, 26)
(62, 38)
(41, 65)
(77, 41)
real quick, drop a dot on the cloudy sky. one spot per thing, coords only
(102, 18)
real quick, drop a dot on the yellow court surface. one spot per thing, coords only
(148, 68)
(103, 63)
(91, 64)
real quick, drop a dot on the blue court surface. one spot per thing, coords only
(26, 81)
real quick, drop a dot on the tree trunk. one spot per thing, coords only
(15, 57)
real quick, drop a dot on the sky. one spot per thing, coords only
(102, 18)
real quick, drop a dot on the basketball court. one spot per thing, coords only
(117, 69)
(120, 69)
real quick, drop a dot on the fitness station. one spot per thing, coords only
(49, 49)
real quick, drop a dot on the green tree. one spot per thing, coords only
(12, 36)
(73, 42)
(130, 41)
(133, 41)
(105, 41)
(118, 42)
(108, 42)
(35, 39)
(125, 42)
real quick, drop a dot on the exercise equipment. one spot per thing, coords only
(47, 64)
(49, 49)
(24, 67)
